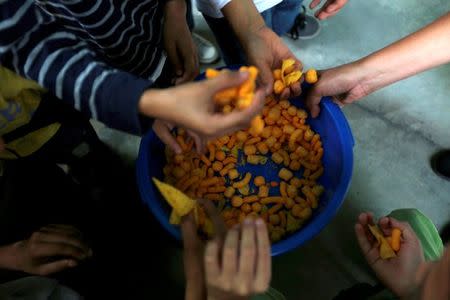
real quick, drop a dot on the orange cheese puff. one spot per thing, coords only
(311, 76)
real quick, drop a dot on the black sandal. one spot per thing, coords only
(440, 163)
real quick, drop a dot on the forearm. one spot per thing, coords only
(243, 17)
(420, 51)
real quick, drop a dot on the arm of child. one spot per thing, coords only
(420, 51)
(37, 49)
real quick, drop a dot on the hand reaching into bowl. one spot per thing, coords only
(245, 249)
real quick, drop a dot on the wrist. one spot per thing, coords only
(175, 8)
(370, 76)
(156, 103)
(10, 257)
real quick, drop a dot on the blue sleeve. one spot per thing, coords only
(38, 49)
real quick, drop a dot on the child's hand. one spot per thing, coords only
(192, 107)
(241, 266)
(329, 9)
(163, 131)
(51, 249)
(397, 273)
(178, 42)
(266, 50)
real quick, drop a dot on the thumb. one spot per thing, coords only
(226, 79)
(313, 100)
(56, 266)
(174, 59)
(407, 231)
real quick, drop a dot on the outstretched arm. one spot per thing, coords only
(420, 51)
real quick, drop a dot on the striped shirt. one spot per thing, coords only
(98, 55)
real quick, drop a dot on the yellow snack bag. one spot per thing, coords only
(180, 203)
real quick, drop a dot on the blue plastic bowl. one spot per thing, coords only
(338, 145)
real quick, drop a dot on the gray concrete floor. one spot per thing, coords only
(396, 130)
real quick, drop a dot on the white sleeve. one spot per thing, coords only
(212, 8)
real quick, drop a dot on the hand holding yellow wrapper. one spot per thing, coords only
(182, 205)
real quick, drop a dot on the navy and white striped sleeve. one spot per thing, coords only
(65, 65)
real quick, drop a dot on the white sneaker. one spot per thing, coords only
(207, 52)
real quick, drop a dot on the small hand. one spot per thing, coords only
(329, 9)
(267, 51)
(51, 249)
(345, 84)
(178, 42)
(241, 266)
(397, 273)
(194, 250)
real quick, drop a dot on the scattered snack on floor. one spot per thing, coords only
(279, 139)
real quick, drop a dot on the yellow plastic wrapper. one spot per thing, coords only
(292, 77)
(286, 64)
(181, 204)
(386, 251)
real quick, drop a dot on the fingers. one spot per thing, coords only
(63, 228)
(230, 257)
(53, 249)
(330, 8)
(56, 266)
(408, 233)
(224, 80)
(163, 132)
(46, 235)
(265, 78)
(286, 93)
(263, 266)
(211, 260)
(220, 228)
(361, 237)
(385, 226)
(190, 64)
(237, 120)
(313, 100)
(174, 59)
(247, 257)
(200, 143)
(296, 89)
(314, 4)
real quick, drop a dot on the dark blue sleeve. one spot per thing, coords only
(37, 49)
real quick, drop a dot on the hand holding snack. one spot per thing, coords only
(397, 272)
